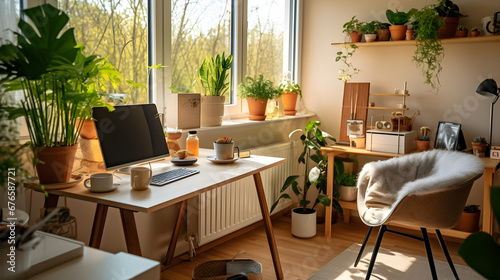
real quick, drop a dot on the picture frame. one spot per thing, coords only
(448, 136)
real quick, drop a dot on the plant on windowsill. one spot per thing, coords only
(398, 20)
(351, 28)
(289, 92)
(424, 141)
(479, 145)
(60, 85)
(429, 53)
(257, 92)
(312, 140)
(214, 75)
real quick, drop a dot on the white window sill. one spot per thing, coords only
(242, 122)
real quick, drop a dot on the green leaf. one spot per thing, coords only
(482, 253)
(289, 181)
(304, 203)
(285, 196)
(324, 199)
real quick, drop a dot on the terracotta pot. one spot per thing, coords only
(212, 110)
(462, 33)
(410, 34)
(289, 101)
(475, 33)
(422, 145)
(57, 163)
(398, 32)
(303, 224)
(468, 222)
(256, 109)
(450, 27)
(88, 129)
(479, 149)
(355, 36)
(383, 35)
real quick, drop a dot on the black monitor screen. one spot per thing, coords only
(129, 135)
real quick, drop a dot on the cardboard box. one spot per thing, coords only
(391, 141)
(183, 110)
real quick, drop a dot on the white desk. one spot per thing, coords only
(128, 201)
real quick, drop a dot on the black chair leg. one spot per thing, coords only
(381, 231)
(429, 253)
(363, 246)
(445, 251)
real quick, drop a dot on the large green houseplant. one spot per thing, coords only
(312, 140)
(214, 75)
(257, 92)
(60, 85)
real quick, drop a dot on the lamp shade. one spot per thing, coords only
(488, 88)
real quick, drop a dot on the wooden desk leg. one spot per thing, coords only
(175, 234)
(51, 201)
(98, 226)
(130, 230)
(329, 193)
(268, 225)
(487, 211)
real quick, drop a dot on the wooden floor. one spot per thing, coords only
(300, 258)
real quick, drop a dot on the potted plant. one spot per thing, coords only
(424, 141)
(398, 20)
(429, 52)
(462, 31)
(60, 84)
(469, 220)
(474, 32)
(312, 140)
(213, 76)
(479, 145)
(257, 92)
(351, 28)
(369, 30)
(289, 92)
(383, 33)
(450, 14)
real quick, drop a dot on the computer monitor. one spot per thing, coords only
(449, 136)
(129, 135)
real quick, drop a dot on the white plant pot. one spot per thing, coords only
(348, 193)
(212, 110)
(370, 37)
(303, 225)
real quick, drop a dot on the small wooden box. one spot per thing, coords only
(183, 110)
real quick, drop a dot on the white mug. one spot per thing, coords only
(100, 182)
(140, 178)
(225, 151)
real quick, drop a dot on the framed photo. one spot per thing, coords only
(448, 135)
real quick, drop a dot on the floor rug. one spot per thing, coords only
(389, 265)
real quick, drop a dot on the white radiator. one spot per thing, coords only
(231, 207)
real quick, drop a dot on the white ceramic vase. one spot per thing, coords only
(348, 193)
(212, 110)
(303, 225)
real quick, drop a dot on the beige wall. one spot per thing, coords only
(388, 67)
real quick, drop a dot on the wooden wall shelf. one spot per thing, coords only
(388, 94)
(480, 39)
(388, 108)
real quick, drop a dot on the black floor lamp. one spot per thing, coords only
(489, 88)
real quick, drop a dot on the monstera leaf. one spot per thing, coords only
(479, 250)
(40, 45)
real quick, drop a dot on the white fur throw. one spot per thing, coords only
(383, 184)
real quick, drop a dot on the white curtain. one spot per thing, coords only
(9, 11)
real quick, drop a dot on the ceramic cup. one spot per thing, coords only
(99, 182)
(140, 178)
(225, 151)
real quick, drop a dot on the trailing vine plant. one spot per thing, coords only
(347, 71)
(429, 53)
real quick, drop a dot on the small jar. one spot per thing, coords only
(193, 143)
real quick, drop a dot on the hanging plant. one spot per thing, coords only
(347, 71)
(430, 52)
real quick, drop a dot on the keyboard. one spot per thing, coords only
(172, 175)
